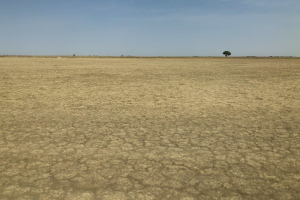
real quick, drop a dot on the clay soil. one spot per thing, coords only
(149, 128)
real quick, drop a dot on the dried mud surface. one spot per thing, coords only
(141, 128)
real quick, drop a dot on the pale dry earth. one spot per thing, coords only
(149, 128)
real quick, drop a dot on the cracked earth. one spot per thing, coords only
(141, 128)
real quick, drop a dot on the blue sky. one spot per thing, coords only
(150, 27)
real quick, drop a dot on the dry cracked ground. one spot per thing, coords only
(149, 128)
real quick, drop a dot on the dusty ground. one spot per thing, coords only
(141, 128)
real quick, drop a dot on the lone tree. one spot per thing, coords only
(227, 53)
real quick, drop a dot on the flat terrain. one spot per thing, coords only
(149, 128)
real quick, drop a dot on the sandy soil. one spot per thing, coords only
(149, 128)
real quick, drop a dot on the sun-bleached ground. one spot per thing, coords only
(149, 128)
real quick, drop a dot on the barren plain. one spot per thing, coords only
(149, 128)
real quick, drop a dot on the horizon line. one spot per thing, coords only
(130, 56)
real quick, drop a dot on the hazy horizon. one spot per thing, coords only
(150, 28)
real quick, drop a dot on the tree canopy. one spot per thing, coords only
(227, 53)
